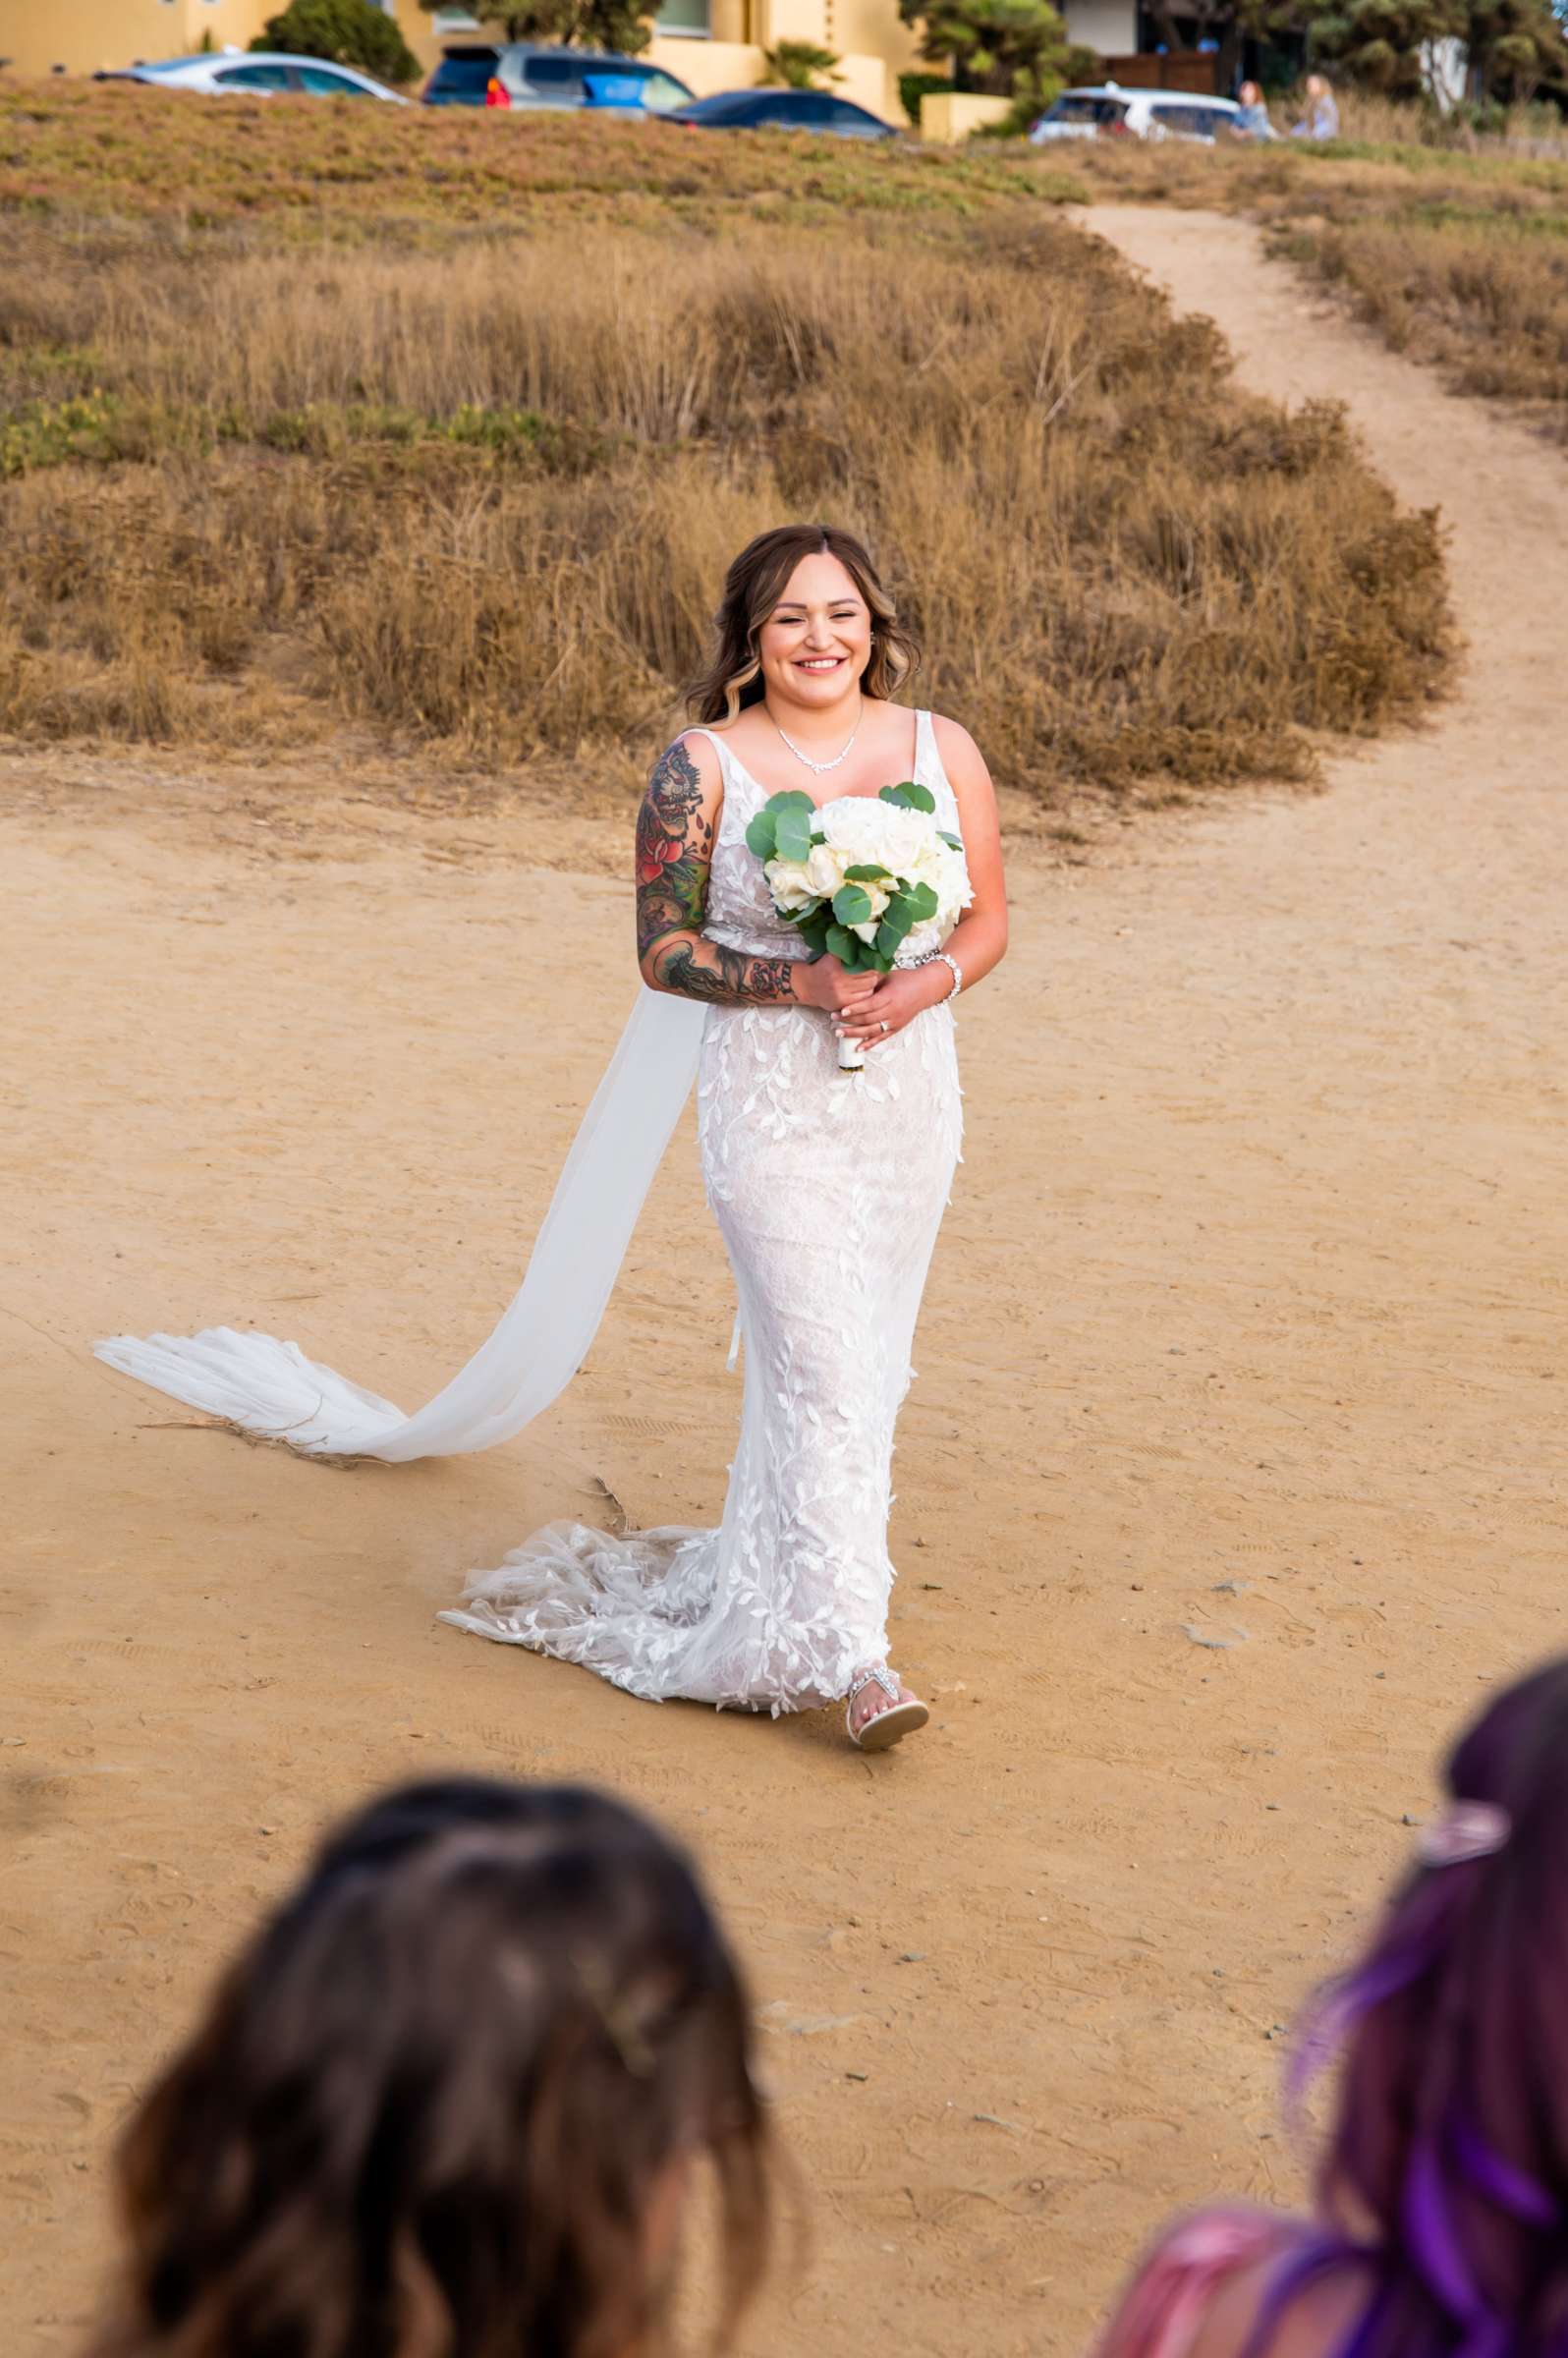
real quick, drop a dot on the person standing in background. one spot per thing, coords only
(1321, 119)
(1253, 122)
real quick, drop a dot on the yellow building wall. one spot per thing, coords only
(43, 36)
(949, 121)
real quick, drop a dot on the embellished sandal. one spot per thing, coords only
(884, 1728)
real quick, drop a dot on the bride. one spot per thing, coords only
(828, 1191)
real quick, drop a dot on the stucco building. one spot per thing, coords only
(711, 44)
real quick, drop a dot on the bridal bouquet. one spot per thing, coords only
(856, 876)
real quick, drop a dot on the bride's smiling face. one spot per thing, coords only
(816, 641)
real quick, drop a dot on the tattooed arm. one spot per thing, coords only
(674, 849)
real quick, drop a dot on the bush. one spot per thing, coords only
(346, 32)
(913, 88)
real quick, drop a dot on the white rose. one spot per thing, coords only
(867, 930)
(824, 869)
(863, 828)
(790, 885)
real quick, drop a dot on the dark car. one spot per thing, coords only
(523, 75)
(784, 110)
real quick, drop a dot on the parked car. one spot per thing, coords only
(784, 110)
(1111, 112)
(236, 72)
(523, 74)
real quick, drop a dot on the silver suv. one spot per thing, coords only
(523, 74)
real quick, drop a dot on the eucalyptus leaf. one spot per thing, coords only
(889, 941)
(761, 835)
(791, 799)
(841, 945)
(868, 873)
(910, 796)
(898, 917)
(923, 900)
(957, 841)
(794, 836)
(852, 904)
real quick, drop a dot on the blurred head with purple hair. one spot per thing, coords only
(1447, 2164)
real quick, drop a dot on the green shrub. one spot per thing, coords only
(913, 88)
(346, 32)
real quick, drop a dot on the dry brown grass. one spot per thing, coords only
(1484, 296)
(481, 500)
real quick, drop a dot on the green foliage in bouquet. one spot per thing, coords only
(784, 829)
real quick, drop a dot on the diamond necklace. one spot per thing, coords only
(817, 767)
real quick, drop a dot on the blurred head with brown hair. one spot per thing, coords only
(445, 2102)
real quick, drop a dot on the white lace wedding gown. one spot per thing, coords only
(829, 1190)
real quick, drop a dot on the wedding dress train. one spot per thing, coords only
(828, 1190)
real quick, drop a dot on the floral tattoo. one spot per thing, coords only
(674, 845)
(674, 852)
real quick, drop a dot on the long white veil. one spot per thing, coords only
(271, 1387)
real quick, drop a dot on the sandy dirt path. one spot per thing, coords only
(1234, 1472)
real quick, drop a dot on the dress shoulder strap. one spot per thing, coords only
(929, 767)
(695, 729)
(729, 769)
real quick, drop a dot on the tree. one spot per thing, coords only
(1514, 48)
(1183, 24)
(799, 66)
(347, 33)
(1006, 49)
(616, 25)
(1517, 49)
(1380, 44)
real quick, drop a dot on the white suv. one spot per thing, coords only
(1111, 112)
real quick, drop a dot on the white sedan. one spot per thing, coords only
(1109, 112)
(239, 73)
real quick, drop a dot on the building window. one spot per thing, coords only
(687, 18)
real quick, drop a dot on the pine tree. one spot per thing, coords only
(1007, 49)
(620, 25)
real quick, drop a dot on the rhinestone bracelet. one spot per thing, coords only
(946, 958)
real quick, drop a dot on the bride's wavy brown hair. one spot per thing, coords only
(432, 2100)
(732, 676)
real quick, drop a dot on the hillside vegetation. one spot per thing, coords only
(473, 488)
